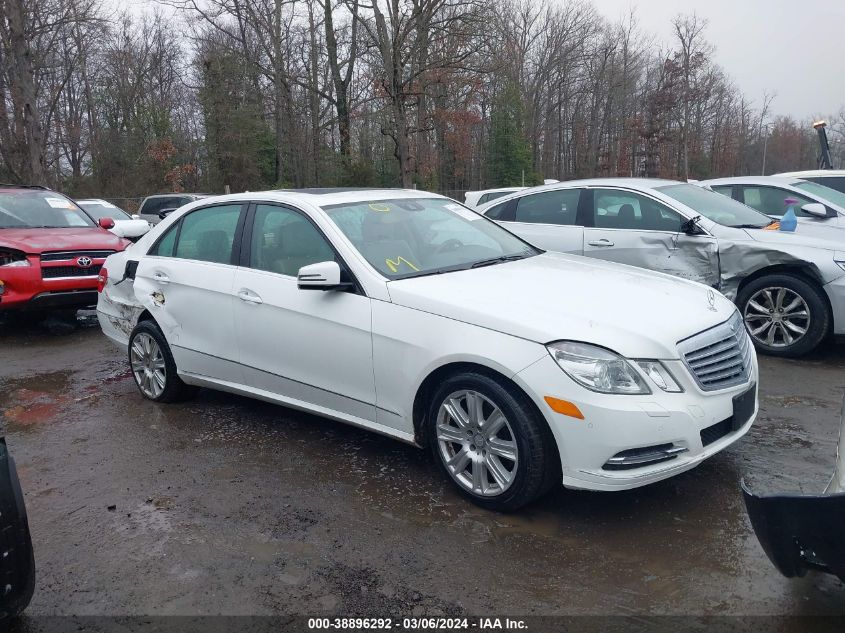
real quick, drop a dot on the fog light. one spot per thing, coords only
(2, 288)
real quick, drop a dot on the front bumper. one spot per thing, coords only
(836, 294)
(25, 288)
(615, 424)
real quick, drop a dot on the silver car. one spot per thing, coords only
(790, 287)
(816, 203)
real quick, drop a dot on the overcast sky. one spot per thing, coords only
(795, 48)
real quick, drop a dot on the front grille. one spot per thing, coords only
(719, 357)
(60, 256)
(716, 431)
(70, 271)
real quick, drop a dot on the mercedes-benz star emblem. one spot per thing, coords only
(711, 300)
(83, 262)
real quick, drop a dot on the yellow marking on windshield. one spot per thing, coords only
(380, 207)
(393, 264)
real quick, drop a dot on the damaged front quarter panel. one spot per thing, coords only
(739, 260)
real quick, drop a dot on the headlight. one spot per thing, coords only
(659, 375)
(597, 369)
(13, 259)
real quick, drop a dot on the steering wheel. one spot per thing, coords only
(450, 245)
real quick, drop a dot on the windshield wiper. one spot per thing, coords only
(499, 260)
(751, 226)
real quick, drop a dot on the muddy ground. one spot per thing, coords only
(224, 505)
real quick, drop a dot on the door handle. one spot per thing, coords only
(601, 242)
(161, 277)
(249, 296)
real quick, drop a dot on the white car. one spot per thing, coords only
(125, 225)
(474, 199)
(790, 287)
(832, 178)
(410, 315)
(817, 204)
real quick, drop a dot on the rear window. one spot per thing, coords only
(27, 208)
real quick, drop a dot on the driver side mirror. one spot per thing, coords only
(690, 227)
(816, 209)
(105, 223)
(321, 276)
(165, 212)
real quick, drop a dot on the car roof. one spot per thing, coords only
(180, 193)
(495, 189)
(814, 173)
(327, 197)
(752, 180)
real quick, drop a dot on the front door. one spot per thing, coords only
(635, 229)
(308, 346)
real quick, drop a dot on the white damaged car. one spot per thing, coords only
(407, 314)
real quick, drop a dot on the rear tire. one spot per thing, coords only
(491, 442)
(153, 367)
(785, 315)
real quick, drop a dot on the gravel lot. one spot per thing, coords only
(224, 505)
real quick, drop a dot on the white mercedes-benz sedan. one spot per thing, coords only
(407, 314)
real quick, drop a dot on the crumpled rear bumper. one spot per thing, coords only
(800, 532)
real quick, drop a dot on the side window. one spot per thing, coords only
(549, 207)
(618, 209)
(834, 182)
(771, 200)
(484, 198)
(725, 190)
(207, 234)
(497, 211)
(165, 245)
(284, 240)
(153, 206)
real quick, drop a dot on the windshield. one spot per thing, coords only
(99, 210)
(825, 193)
(411, 237)
(27, 208)
(717, 207)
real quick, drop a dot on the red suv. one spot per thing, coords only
(51, 252)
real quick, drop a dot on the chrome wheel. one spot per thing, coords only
(476, 443)
(777, 317)
(148, 366)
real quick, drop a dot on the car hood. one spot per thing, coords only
(826, 237)
(36, 241)
(637, 313)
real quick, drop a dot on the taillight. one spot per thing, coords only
(102, 278)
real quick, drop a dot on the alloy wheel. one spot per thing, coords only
(477, 443)
(777, 317)
(148, 366)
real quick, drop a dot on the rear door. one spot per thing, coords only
(633, 228)
(548, 219)
(186, 281)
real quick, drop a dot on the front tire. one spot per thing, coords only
(491, 442)
(153, 367)
(785, 315)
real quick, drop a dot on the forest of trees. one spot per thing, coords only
(444, 95)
